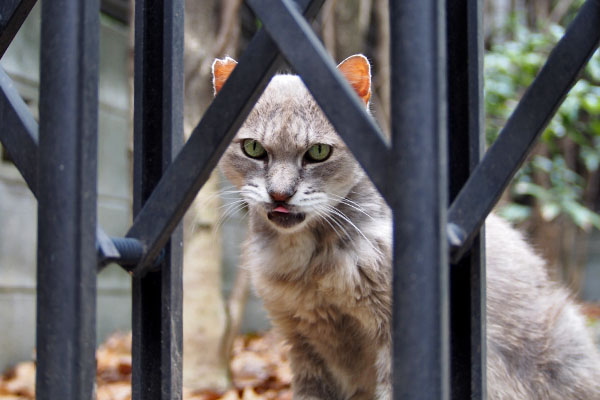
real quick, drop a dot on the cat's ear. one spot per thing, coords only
(221, 69)
(357, 71)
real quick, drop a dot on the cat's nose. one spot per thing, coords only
(281, 196)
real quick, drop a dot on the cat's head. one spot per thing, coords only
(290, 165)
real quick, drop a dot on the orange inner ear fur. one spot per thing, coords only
(221, 70)
(357, 71)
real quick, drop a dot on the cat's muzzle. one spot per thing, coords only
(285, 220)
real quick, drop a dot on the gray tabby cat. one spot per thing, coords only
(319, 254)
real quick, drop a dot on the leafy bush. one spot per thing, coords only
(509, 69)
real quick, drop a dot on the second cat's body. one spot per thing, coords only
(319, 254)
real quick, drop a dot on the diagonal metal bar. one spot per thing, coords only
(465, 147)
(19, 133)
(189, 171)
(305, 53)
(12, 15)
(534, 111)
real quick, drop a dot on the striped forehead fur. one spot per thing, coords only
(287, 112)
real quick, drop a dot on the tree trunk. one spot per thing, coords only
(211, 30)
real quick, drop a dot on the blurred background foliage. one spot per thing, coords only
(569, 152)
(555, 195)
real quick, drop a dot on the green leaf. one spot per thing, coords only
(549, 211)
(582, 216)
(591, 103)
(542, 163)
(593, 67)
(595, 127)
(531, 189)
(514, 212)
(591, 158)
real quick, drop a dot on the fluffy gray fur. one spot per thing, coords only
(326, 281)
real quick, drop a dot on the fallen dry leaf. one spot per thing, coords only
(19, 381)
(259, 366)
(113, 359)
(114, 391)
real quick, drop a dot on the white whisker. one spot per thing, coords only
(340, 214)
(353, 205)
(229, 212)
(330, 217)
(324, 217)
(231, 203)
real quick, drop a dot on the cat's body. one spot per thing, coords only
(537, 343)
(336, 318)
(319, 253)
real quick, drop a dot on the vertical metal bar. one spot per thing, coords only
(465, 142)
(158, 136)
(66, 276)
(418, 172)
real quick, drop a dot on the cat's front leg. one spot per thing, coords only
(312, 380)
(383, 366)
(310, 386)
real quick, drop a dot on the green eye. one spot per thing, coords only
(318, 152)
(253, 149)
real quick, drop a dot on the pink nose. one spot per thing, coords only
(280, 196)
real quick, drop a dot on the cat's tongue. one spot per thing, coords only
(281, 209)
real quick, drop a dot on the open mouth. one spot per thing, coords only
(283, 217)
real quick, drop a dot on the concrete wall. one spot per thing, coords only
(18, 208)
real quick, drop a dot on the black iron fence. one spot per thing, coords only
(432, 160)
